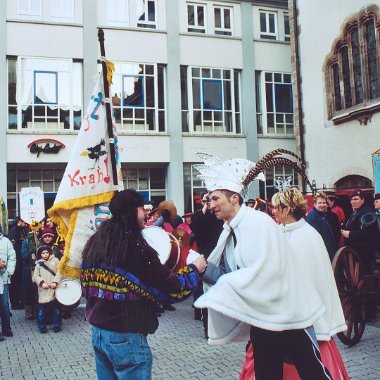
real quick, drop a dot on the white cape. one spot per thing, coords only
(267, 291)
(307, 244)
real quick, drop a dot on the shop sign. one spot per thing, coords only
(49, 146)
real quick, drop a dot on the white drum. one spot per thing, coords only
(164, 243)
(69, 292)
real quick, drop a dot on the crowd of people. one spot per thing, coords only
(237, 248)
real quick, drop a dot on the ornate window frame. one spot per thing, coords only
(347, 70)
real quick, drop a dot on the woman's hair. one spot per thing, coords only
(292, 199)
(116, 239)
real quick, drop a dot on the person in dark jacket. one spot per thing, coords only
(118, 271)
(325, 222)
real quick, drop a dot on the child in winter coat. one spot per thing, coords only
(47, 279)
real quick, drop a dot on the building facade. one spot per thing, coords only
(336, 70)
(190, 76)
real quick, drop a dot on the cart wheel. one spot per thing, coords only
(349, 280)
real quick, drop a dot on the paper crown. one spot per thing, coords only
(226, 175)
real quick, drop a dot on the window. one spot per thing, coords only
(196, 18)
(193, 187)
(268, 25)
(117, 12)
(62, 10)
(138, 97)
(149, 182)
(31, 8)
(44, 93)
(210, 100)
(222, 18)
(275, 109)
(286, 27)
(268, 188)
(146, 14)
(352, 81)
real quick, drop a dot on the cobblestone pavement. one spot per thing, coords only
(179, 348)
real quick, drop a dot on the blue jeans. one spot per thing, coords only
(121, 355)
(5, 313)
(43, 312)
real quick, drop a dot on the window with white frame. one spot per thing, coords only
(148, 182)
(196, 18)
(30, 9)
(138, 97)
(210, 100)
(118, 12)
(62, 10)
(275, 108)
(268, 188)
(194, 188)
(44, 93)
(146, 14)
(223, 20)
(286, 27)
(268, 25)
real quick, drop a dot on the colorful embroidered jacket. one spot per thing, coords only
(119, 300)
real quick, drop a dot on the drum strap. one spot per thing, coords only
(46, 267)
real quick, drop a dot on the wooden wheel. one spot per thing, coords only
(348, 274)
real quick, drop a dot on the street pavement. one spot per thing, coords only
(179, 348)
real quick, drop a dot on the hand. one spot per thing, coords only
(345, 233)
(53, 285)
(45, 285)
(200, 263)
(166, 215)
(3, 264)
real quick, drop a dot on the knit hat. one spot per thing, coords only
(377, 196)
(42, 248)
(125, 201)
(47, 231)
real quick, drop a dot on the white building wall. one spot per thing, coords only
(332, 152)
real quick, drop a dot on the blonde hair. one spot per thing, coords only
(320, 194)
(292, 199)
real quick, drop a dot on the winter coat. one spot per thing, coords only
(41, 275)
(8, 254)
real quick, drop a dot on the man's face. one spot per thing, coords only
(141, 217)
(224, 208)
(320, 204)
(356, 202)
(376, 203)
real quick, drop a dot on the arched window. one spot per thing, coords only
(351, 69)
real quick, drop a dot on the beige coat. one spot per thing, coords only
(43, 275)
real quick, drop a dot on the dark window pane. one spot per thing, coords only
(149, 91)
(218, 21)
(184, 99)
(185, 121)
(197, 116)
(201, 19)
(268, 77)
(286, 24)
(236, 91)
(64, 118)
(190, 15)
(196, 93)
(358, 82)
(133, 97)
(372, 61)
(271, 23)
(237, 122)
(346, 77)
(161, 121)
(150, 119)
(157, 178)
(161, 91)
(337, 95)
(149, 69)
(227, 19)
(26, 117)
(263, 27)
(212, 94)
(277, 77)
(228, 121)
(269, 97)
(12, 117)
(78, 119)
(227, 95)
(12, 80)
(151, 11)
(284, 100)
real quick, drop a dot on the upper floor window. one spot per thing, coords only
(146, 13)
(286, 27)
(62, 10)
(210, 100)
(44, 93)
(352, 80)
(118, 12)
(138, 97)
(196, 18)
(209, 17)
(274, 107)
(31, 9)
(268, 25)
(223, 20)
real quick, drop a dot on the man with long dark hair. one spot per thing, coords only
(122, 278)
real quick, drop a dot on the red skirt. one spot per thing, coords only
(330, 358)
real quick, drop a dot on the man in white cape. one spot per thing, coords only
(252, 285)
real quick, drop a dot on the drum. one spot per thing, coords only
(165, 244)
(69, 292)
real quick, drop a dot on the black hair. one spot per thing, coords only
(229, 194)
(117, 237)
(42, 248)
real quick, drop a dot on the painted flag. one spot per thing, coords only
(87, 185)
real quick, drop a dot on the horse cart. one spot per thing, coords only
(355, 289)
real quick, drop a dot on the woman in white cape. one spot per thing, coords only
(289, 211)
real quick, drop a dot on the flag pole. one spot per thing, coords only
(108, 106)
